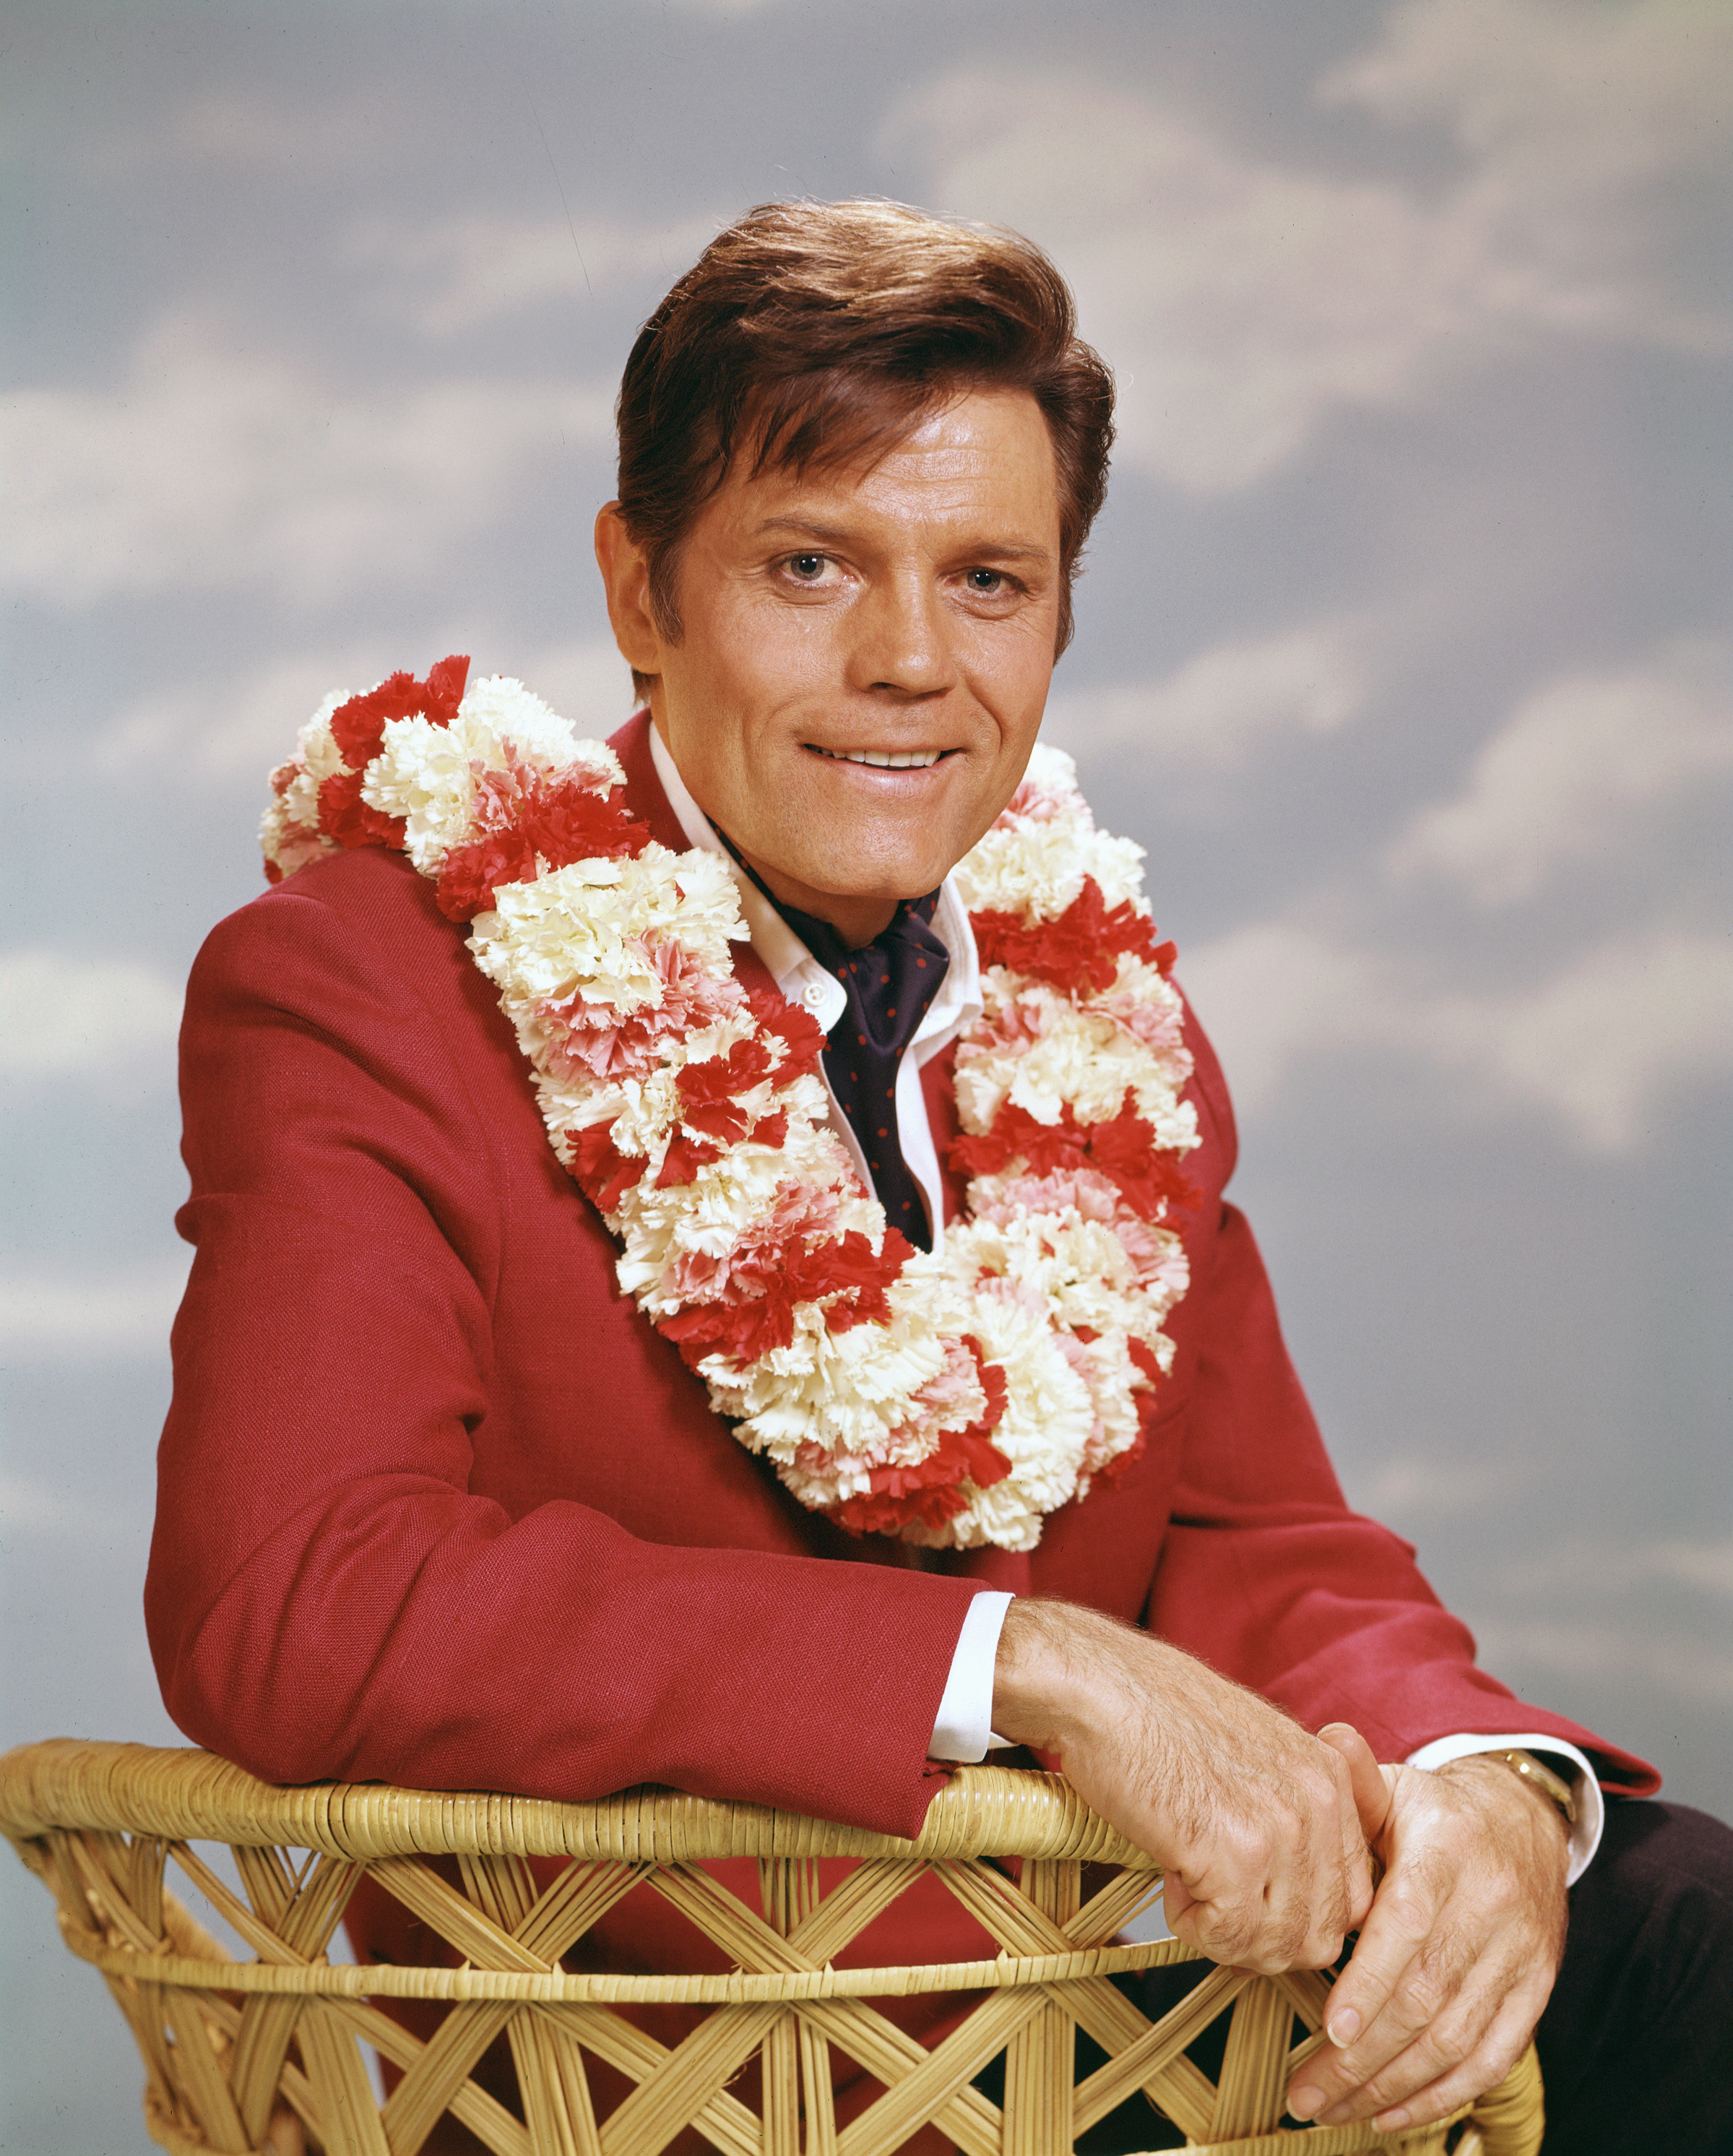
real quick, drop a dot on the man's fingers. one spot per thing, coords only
(1372, 1794)
(1402, 1920)
(1269, 1930)
(1421, 2085)
(1454, 1961)
(1369, 1795)
(1177, 1901)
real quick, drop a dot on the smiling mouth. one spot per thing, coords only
(913, 759)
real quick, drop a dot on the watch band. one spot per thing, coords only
(1541, 1778)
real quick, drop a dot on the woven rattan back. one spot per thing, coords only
(243, 2056)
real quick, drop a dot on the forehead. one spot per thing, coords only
(983, 459)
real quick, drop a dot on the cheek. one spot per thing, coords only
(788, 648)
(757, 663)
(1010, 664)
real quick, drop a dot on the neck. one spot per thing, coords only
(857, 921)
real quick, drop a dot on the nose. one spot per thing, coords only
(902, 638)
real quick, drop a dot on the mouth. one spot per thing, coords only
(911, 759)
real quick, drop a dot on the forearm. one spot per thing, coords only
(1252, 1818)
(423, 1637)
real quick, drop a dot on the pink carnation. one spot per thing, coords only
(1036, 805)
(1095, 1197)
(800, 1214)
(590, 1037)
(297, 844)
(1013, 1024)
(955, 1396)
(1161, 1027)
(1154, 1258)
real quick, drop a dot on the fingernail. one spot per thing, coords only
(1304, 2103)
(1391, 2122)
(1343, 2027)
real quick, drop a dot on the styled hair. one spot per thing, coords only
(821, 333)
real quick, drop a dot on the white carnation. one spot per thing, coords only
(708, 916)
(1038, 869)
(423, 773)
(317, 758)
(1052, 771)
(500, 710)
(316, 745)
(847, 1391)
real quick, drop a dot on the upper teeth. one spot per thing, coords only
(911, 760)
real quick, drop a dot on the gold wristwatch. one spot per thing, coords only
(1540, 1778)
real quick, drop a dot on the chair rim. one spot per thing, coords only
(54, 1792)
(184, 1795)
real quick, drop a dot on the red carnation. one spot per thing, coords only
(603, 1173)
(358, 726)
(683, 1158)
(853, 1265)
(470, 874)
(358, 729)
(1082, 944)
(566, 821)
(995, 1386)
(741, 1330)
(1122, 1146)
(1143, 1355)
(765, 1289)
(709, 1091)
(801, 1035)
(532, 823)
(928, 1491)
(344, 816)
(1014, 1131)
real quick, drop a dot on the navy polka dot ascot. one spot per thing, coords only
(890, 983)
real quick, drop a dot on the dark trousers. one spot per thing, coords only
(1636, 2044)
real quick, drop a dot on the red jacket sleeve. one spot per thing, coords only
(1267, 1574)
(408, 1484)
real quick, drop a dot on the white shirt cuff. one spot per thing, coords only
(963, 1731)
(1591, 1805)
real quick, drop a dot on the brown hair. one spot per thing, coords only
(823, 333)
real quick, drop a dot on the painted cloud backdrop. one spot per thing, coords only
(1405, 647)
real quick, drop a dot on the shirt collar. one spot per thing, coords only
(792, 966)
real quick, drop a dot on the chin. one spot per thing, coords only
(887, 890)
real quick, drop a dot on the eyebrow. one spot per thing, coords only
(836, 535)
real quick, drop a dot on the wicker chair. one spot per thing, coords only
(243, 2056)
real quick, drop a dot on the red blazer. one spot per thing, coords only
(437, 1506)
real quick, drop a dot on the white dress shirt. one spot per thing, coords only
(963, 1729)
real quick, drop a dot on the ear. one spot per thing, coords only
(626, 577)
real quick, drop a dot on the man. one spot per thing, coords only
(438, 1506)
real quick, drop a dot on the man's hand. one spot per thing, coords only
(1457, 1957)
(1253, 1819)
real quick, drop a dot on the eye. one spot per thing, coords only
(989, 583)
(807, 568)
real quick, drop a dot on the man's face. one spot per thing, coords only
(904, 614)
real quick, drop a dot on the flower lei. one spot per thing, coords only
(952, 1399)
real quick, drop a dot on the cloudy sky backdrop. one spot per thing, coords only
(1404, 648)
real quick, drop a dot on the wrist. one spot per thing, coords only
(1045, 1677)
(1516, 1793)
(1028, 1676)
